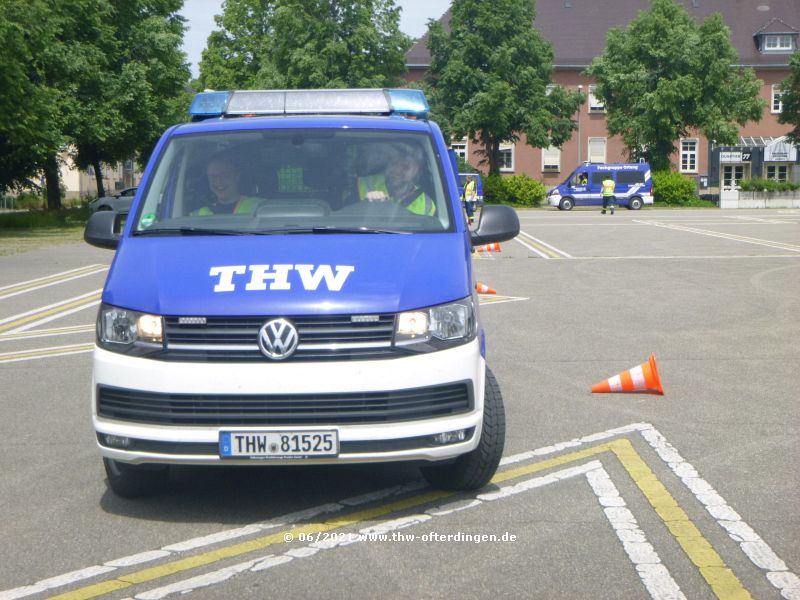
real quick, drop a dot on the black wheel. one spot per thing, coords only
(474, 469)
(566, 204)
(134, 481)
(635, 203)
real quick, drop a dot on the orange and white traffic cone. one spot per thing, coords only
(493, 247)
(643, 379)
(482, 288)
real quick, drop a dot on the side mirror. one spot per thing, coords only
(104, 229)
(498, 223)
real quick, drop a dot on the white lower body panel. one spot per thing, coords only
(463, 363)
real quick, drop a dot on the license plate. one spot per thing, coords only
(278, 444)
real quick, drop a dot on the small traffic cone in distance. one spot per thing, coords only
(493, 247)
(643, 379)
(482, 288)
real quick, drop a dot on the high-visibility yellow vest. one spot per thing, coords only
(421, 205)
(245, 204)
(469, 190)
(608, 187)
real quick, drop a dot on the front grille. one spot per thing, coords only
(285, 409)
(321, 337)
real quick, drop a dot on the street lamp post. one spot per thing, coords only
(580, 91)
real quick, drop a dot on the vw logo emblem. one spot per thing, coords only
(277, 339)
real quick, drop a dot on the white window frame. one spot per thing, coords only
(780, 171)
(778, 43)
(776, 105)
(595, 104)
(461, 148)
(507, 148)
(596, 141)
(551, 159)
(689, 155)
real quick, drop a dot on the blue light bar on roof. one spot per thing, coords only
(310, 102)
(209, 104)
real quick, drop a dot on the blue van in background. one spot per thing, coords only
(634, 186)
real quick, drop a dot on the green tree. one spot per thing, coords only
(30, 120)
(489, 78)
(790, 98)
(666, 75)
(121, 112)
(305, 44)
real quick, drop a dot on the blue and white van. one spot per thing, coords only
(306, 323)
(634, 186)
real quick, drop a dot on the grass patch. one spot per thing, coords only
(24, 231)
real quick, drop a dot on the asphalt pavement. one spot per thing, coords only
(691, 494)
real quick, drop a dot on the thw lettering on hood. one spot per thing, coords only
(279, 277)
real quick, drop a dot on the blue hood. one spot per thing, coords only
(298, 274)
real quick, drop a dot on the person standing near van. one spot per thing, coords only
(608, 194)
(470, 197)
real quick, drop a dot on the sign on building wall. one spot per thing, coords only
(735, 157)
(780, 151)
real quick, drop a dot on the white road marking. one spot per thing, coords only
(72, 329)
(50, 308)
(531, 248)
(726, 236)
(751, 544)
(546, 245)
(14, 289)
(39, 353)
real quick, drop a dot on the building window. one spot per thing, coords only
(460, 148)
(595, 104)
(549, 89)
(778, 172)
(551, 159)
(597, 150)
(688, 156)
(777, 102)
(506, 157)
(778, 43)
(731, 175)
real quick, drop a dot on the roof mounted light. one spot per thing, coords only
(310, 102)
(209, 104)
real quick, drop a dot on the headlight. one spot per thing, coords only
(129, 331)
(437, 327)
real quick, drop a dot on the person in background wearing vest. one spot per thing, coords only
(608, 195)
(223, 179)
(400, 181)
(470, 197)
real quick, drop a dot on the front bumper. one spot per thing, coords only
(362, 442)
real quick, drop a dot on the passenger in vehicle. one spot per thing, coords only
(223, 180)
(400, 181)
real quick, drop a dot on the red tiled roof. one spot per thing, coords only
(577, 28)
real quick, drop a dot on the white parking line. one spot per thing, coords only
(753, 546)
(546, 245)
(45, 314)
(727, 236)
(14, 289)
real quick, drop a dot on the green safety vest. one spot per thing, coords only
(608, 187)
(421, 205)
(469, 190)
(245, 204)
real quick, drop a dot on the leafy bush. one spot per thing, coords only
(519, 190)
(671, 187)
(29, 200)
(756, 184)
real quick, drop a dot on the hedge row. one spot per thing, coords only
(767, 185)
(518, 190)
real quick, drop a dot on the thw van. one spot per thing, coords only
(633, 189)
(294, 285)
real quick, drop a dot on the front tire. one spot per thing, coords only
(135, 481)
(635, 203)
(475, 469)
(566, 204)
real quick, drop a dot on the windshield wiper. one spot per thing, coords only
(197, 231)
(333, 229)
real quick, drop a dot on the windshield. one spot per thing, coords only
(296, 181)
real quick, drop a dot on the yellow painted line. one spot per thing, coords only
(723, 582)
(45, 352)
(51, 311)
(46, 332)
(11, 290)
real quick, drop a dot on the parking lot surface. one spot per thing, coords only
(692, 494)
